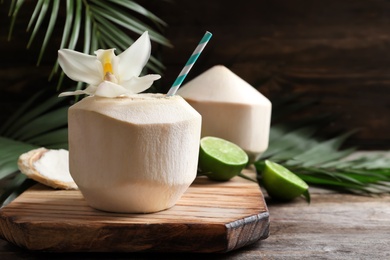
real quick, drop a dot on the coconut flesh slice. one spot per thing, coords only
(231, 109)
(47, 166)
(135, 154)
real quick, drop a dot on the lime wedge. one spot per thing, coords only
(220, 159)
(280, 183)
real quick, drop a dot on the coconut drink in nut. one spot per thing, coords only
(133, 154)
(128, 152)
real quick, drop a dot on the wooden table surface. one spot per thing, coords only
(333, 226)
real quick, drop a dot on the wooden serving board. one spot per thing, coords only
(210, 217)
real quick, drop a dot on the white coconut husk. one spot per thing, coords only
(49, 167)
(231, 109)
(134, 154)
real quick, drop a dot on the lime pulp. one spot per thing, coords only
(220, 159)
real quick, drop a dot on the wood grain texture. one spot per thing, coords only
(210, 217)
(333, 226)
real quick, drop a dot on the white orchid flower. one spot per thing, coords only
(109, 75)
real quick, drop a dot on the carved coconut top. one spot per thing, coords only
(219, 84)
(140, 108)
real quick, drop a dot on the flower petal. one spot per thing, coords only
(134, 59)
(109, 89)
(80, 67)
(138, 84)
(90, 90)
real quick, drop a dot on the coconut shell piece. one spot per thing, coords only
(42, 165)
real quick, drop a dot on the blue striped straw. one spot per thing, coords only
(183, 74)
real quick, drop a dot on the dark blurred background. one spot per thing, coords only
(335, 53)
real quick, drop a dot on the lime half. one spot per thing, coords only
(220, 159)
(282, 184)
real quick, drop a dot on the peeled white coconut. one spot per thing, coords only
(133, 154)
(231, 109)
(47, 166)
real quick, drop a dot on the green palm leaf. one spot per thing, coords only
(322, 162)
(100, 21)
(41, 122)
(10, 152)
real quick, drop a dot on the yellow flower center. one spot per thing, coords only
(107, 68)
